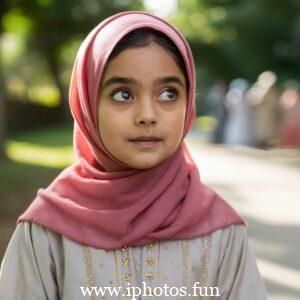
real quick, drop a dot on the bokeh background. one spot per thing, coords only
(246, 138)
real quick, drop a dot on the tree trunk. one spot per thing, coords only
(3, 125)
(54, 69)
(3, 117)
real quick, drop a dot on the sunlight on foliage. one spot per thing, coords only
(12, 46)
(34, 154)
(195, 20)
(15, 21)
(47, 95)
(194, 23)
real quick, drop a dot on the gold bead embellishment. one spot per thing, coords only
(127, 277)
(125, 261)
(88, 267)
(125, 248)
(149, 276)
(150, 246)
(150, 260)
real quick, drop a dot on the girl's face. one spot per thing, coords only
(142, 93)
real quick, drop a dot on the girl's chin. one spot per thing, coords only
(144, 164)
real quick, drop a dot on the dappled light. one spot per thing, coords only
(51, 157)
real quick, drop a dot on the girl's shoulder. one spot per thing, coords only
(234, 233)
(37, 240)
(32, 233)
(30, 252)
(231, 240)
(225, 236)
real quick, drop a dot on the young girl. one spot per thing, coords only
(131, 218)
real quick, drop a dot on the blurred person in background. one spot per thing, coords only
(217, 108)
(290, 125)
(239, 119)
(263, 98)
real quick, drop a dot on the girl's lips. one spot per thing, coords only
(146, 144)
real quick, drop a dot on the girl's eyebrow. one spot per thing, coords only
(133, 81)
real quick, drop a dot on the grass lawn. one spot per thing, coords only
(35, 159)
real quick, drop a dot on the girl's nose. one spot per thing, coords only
(146, 113)
(147, 121)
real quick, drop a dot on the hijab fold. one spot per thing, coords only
(104, 203)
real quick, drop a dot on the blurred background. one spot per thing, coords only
(246, 137)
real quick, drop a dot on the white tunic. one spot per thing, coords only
(42, 264)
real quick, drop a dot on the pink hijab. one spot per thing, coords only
(101, 202)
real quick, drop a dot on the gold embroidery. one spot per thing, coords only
(125, 261)
(150, 260)
(150, 246)
(206, 260)
(127, 277)
(149, 276)
(185, 262)
(88, 267)
(125, 248)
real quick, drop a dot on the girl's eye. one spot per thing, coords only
(169, 94)
(121, 95)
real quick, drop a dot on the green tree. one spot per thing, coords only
(3, 97)
(51, 31)
(232, 38)
(54, 23)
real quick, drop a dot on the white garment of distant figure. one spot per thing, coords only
(217, 108)
(238, 125)
(263, 98)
